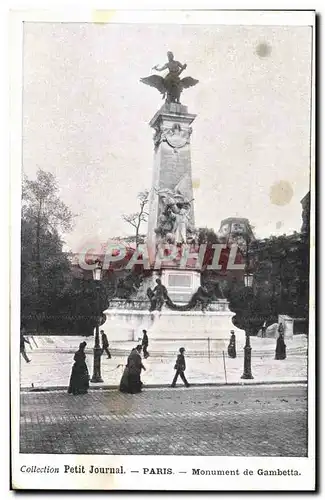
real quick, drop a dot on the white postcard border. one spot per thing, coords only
(139, 481)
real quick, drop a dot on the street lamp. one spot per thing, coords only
(97, 275)
(248, 279)
(247, 374)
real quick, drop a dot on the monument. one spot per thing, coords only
(172, 303)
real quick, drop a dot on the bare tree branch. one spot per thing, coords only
(137, 218)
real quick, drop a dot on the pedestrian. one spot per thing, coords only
(145, 344)
(131, 378)
(263, 330)
(79, 379)
(105, 344)
(232, 345)
(24, 341)
(180, 367)
(280, 350)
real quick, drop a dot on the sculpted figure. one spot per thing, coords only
(173, 199)
(171, 86)
(201, 297)
(207, 294)
(173, 220)
(157, 296)
(180, 226)
(165, 222)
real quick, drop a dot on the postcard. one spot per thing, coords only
(162, 215)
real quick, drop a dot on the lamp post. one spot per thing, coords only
(96, 378)
(247, 373)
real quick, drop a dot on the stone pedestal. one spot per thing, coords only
(125, 322)
(193, 325)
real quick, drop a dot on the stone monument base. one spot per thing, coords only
(125, 322)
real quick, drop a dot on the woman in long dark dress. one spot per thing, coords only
(131, 379)
(79, 379)
(280, 350)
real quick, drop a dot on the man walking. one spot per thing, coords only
(23, 341)
(105, 344)
(232, 345)
(180, 367)
(145, 343)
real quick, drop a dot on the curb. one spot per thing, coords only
(162, 386)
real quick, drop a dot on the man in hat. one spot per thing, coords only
(180, 367)
(105, 344)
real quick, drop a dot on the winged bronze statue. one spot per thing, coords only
(171, 86)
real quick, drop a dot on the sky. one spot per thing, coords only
(86, 115)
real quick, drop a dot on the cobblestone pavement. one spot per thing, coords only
(233, 421)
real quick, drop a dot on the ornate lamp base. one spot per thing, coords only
(96, 378)
(247, 361)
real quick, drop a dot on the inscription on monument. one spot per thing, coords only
(180, 280)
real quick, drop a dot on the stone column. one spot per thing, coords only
(172, 162)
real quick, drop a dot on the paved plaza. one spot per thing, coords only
(52, 359)
(233, 421)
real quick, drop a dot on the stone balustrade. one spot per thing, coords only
(144, 305)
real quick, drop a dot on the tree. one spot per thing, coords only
(44, 266)
(223, 278)
(82, 302)
(40, 202)
(207, 236)
(280, 284)
(281, 271)
(250, 308)
(136, 219)
(40, 292)
(43, 209)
